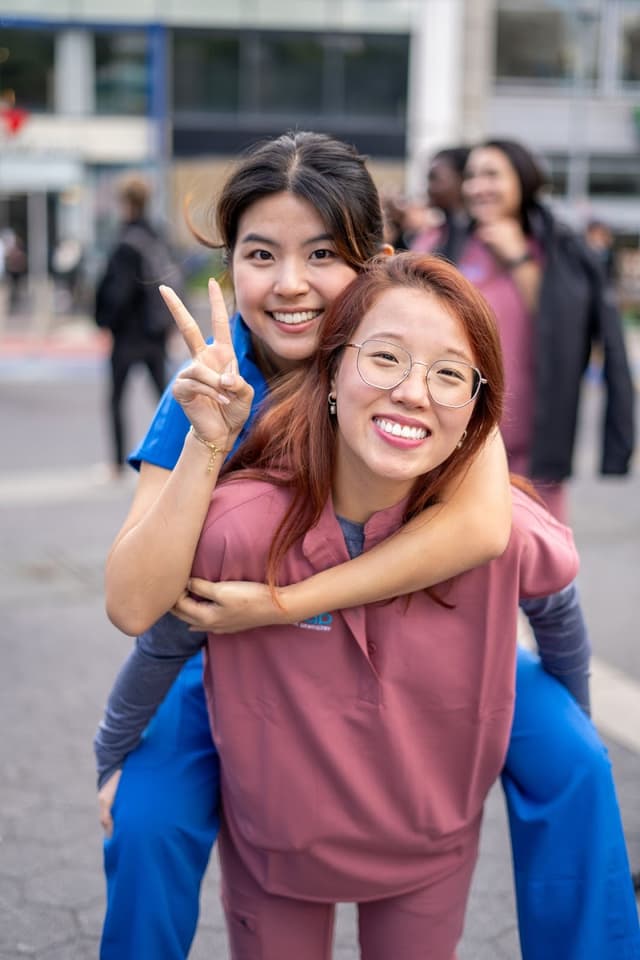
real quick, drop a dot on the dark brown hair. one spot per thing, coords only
(329, 174)
(135, 192)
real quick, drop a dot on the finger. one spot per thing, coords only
(106, 821)
(208, 383)
(201, 373)
(189, 329)
(185, 391)
(203, 588)
(219, 317)
(197, 614)
(218, 380)
(193, 609)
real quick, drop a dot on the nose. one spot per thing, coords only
(413, 391)
(291, 279)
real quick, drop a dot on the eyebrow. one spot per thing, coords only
(394, 338)
(268, 241)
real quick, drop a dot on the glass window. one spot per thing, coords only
(375, 75)
(631, 47)
(614, 176)
(290, 70)
(548, 44)
(557, 170)
(205, 71)
(121, 72)
(26, 69)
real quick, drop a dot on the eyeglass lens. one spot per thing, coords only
(451, 383)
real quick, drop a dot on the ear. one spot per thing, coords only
(387, 250)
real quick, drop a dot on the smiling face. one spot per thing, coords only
(491, 188)
(286, 271)
(388, 438)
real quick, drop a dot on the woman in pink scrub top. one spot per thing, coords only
(552, 306)
(357, 749)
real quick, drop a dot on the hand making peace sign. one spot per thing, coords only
(213, 395)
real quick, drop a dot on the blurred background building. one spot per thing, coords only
(90, 89)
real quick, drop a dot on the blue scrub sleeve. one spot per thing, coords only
(562, 639)
(163, 442)
(140, 687)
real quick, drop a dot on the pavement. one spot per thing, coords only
(59, 510)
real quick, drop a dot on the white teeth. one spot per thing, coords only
(407, 433)
(293, 318)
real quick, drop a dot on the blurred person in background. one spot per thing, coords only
(129, 305)
(67, 266)
(444, 194)
(15, 267)
(553, 306)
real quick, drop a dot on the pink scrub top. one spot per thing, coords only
(357, 747)
(516, 327)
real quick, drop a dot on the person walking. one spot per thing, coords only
(129, 306)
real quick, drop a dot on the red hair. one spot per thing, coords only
(293, 441)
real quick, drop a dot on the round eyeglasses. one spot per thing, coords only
(450, 383)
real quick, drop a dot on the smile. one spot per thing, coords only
(293, 319)
(395, 430)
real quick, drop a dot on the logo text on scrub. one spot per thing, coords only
(322, 622)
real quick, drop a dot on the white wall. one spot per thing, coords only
(384, 15)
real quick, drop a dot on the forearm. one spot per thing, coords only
(562, 639)
(150, 561)
(469, 528)
(142, 683)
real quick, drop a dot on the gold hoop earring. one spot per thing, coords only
(332, 400)
(461, 440)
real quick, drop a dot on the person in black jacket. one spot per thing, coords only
(553, 305)
(129, 305)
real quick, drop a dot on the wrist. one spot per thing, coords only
(217, 448)
(290, 603)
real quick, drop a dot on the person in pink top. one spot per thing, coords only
(357, 748)
(552, 303)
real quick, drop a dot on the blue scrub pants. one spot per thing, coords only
(573, 885)
(165, 818)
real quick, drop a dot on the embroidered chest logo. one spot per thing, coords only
(322, 622)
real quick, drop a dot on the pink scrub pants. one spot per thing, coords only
(424, 924)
